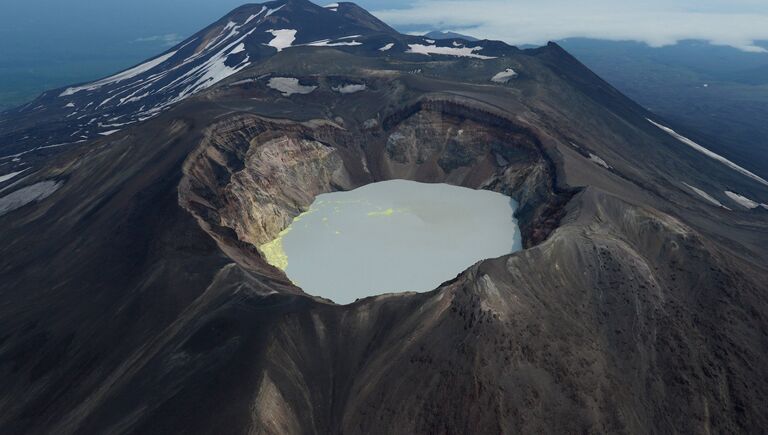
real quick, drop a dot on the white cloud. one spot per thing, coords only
(737, 23)
(167, 40)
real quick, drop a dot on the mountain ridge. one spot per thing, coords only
(443, 34)
(229, 45)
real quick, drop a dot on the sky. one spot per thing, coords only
(736, 23)
(50, 43)
(31, 27)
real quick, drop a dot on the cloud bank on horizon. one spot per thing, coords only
(736, 23)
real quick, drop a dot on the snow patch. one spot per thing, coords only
(242, 82)
(239, 49)
(118, 124)
(205, 75)
(109, 132)
(333, 6)
(272, 11)
(283, 38)
(328, 43)
(56, 145)
(706, 196)
(504, 76)
(349, 88)
(596, 159)
(131, 98)
(387, 47)
(69, 105)
(15, 157)
(230, 27)
(742, 200)
(370, 123)
(448, 51)
(125, 75)
(32, 193)
(709, 153)
(289, 86)
(254, 16)
(7, 177)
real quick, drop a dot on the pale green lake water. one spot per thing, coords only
(395, 236)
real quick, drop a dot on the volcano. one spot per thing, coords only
(135, 298)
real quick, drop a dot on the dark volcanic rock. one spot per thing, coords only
(134, 299)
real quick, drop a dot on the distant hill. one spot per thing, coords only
(719, 95)
(436, 34)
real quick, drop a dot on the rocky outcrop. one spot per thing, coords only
(250, 177)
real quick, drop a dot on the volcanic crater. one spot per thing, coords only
(252, 175)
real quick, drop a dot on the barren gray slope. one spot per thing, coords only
(134, 299)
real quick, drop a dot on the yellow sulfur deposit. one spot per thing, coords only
(274, 252)
(387, 212)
